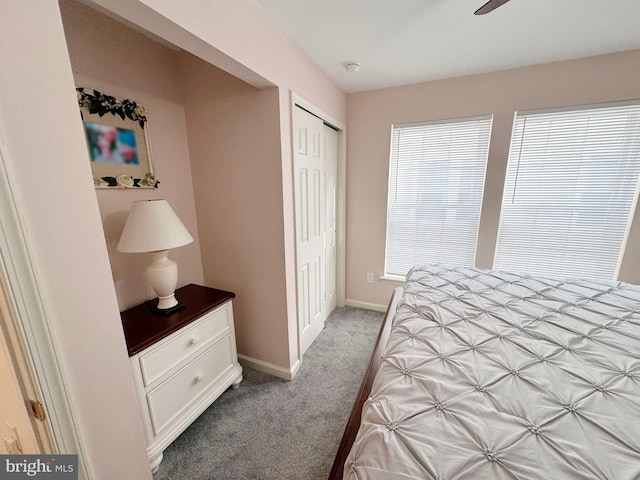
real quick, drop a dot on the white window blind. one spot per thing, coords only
(569, 191)
(436, 179)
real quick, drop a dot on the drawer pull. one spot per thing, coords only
(198, 378)
(194, 340)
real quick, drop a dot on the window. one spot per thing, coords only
(569, 192)
(436, 179)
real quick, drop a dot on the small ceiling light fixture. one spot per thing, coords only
(352, 67)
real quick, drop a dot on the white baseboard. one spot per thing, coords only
(366, 305)
(270, 368)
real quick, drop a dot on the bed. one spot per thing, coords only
(482, 374)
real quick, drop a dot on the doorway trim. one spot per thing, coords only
(31, 324)
(299, 101)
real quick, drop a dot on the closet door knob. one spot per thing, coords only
(194, 340)
(198, 378)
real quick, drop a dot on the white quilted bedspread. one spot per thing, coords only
(490, 375)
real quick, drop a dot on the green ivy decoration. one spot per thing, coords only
(99, 103)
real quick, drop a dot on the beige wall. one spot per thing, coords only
(234, 139)
(241, 30)
(230, 137)
(240, 38)
(118, 61)
(371, 114)
(43, 145)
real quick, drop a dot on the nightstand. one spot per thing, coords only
(181, 363)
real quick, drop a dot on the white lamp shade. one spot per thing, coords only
(151, 226)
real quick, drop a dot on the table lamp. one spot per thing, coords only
(153, 227)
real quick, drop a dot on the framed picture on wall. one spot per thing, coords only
(117, 135)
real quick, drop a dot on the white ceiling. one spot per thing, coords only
(400, 42)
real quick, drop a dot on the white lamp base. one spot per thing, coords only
(162, 275)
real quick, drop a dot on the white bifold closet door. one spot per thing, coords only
(315, 164)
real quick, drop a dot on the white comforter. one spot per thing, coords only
(490, 375)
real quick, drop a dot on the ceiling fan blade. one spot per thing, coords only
(490, 6)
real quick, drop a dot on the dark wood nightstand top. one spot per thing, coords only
(143, 328)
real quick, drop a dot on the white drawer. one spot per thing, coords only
(175, 395)
(168, 354)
